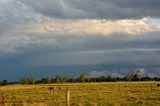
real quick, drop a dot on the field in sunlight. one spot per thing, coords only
(82, 94)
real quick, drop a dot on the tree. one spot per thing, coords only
(32, 80)
(138, 72)
(46, 80)
(58, 79)
(92, 79)
(109, 78)
(4, 82)
(0, 82)
(102, 78)
(138, 75)
(81, 78)
(65, 79)
(128, 77)
(43, 80)
(24, 80)
(146, 78)
(52, 80)
(71, 80)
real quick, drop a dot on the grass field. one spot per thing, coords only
(82, 94)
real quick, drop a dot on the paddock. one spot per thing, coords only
(82, 94)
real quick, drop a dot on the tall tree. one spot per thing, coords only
(24, 80)
(46, 80)
(58, 79)
(65, 79)
(128, 77)
(138, 75)
(81, 78)
(32, 80)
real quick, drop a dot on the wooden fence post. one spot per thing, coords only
(68, 98)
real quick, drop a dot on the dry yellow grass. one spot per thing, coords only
(83, 94)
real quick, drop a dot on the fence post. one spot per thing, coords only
(68, 98)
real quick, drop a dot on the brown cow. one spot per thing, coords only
(51, 88)
(158, 85)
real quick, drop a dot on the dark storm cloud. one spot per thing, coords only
(28, 37)
(109, 53)
(58, 50)
(97, 9)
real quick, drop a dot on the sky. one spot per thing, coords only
(97, 37)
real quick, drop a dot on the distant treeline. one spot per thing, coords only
(82, 78)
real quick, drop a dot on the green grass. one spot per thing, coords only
(83, 94)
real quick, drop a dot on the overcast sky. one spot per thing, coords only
(44, 33)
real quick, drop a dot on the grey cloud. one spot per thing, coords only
(14, 13)
(81, 54)
(59, 49)
(99, 9)
(24, 50)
